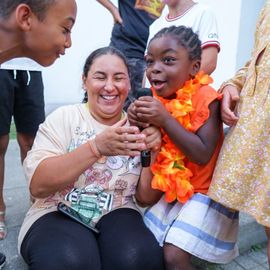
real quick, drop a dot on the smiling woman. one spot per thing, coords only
(86, 155)
(107, 86)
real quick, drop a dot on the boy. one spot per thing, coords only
(38, 29)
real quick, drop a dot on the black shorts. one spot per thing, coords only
(21, 96)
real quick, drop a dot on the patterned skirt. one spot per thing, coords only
(201, 226)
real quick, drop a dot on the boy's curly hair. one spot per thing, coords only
(38, 7)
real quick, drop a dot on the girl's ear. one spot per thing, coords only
(195, 68)
(24, 17)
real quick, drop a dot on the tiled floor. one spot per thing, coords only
(254, 259)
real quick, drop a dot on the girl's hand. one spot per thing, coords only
(133, 119)
(151, 111)
(153, 138)
(121, 140)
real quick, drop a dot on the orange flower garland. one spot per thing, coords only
(170, 174)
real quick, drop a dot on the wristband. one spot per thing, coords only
(94, 149)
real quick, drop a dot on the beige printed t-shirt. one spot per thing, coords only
(111, 181)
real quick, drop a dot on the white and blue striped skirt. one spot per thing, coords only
(201, 226)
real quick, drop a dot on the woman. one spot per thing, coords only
(86, 155)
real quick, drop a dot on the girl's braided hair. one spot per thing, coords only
(185, 37)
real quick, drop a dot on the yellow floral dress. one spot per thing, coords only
(242, 176)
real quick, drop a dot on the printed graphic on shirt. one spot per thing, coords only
(90, 201)
(107, 184)
(153, 7)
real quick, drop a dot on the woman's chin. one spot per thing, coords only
(111, 112)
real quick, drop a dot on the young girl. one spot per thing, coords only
(185, 221)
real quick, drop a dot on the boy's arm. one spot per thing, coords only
(113, 10)
(209, 59)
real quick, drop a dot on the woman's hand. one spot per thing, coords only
(121, 140)
(228, 104)
(153, 138)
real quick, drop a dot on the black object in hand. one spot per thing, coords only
(145, 154)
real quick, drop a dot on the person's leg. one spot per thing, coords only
(25, 142)
(137, 69)
(3, 148)
(28, 108)
(2, 260)
(6, 111)
(126, 243)
(176, 258)
(267, 230)
(4, 139)
(57, 242)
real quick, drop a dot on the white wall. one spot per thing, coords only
(93, 27)
(249, 13)
(62, 81)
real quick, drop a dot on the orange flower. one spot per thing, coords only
(170, 174)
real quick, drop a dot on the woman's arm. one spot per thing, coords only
(56, 172)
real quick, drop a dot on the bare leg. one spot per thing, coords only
(267, 230)
(176, 258)
(3, 149)
(25, 142)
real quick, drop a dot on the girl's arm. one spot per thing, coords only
(145, 195)
(197, 147)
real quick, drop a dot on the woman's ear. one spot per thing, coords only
(24, 17)
(83, 82)
(195, 68)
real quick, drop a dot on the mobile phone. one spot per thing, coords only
(68, 211)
